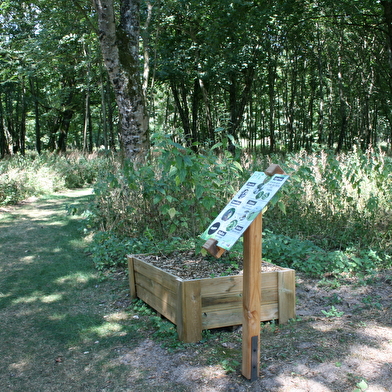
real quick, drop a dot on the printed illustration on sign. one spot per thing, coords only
(239, 213)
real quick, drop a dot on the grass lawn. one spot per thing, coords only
(56, 326)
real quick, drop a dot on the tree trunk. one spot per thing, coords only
(34, 91)
(180, 99)
(120, 49)
(4, 149)
(65, 121)
(237, 105)
(387, 7)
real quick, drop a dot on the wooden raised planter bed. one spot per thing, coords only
(198, 304)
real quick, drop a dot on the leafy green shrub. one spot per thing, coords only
(305, 256)
(175, 193)
(337, 219)
(109, 251)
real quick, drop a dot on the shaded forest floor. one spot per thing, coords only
(65, 328)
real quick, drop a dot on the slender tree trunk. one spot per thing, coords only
(237, 104)
(34, 92)
(180, 98)
(65, 121)
(387, 7)
(206, 99)
(120, 50)
(320, 125)
(4, 149)
(271, 97)
(86, 120)
(103, 109)
(22, 124)
(342, 104)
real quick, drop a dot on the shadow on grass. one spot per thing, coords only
(54, 309)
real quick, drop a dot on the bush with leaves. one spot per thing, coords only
(175, 192)
(305, 256)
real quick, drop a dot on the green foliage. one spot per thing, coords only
(362, 386)
(164, 330)
(109, 251)
(175, 193)
(333, 312)
(338, 202)
(304, 255)
(230, 365)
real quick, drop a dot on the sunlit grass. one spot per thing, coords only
(38, 297)
(76, 278)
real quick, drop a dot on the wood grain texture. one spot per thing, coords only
(251, 299)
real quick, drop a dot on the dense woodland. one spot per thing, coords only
(227, 88)
(272, 75)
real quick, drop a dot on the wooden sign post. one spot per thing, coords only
(224, 231)
(251, 299)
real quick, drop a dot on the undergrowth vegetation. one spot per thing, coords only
(34, 175)
(334, 216)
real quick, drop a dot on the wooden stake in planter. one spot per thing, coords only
(255, 195)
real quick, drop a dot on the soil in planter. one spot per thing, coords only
(189, 265)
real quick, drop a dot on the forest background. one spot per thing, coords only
(228, 87)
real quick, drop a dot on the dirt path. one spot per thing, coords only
(63, 328)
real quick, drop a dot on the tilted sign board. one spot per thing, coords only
(239, 213)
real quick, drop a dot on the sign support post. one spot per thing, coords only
(251, 300)
(243, 216)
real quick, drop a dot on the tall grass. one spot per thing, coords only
(337, 201)
(34, 175)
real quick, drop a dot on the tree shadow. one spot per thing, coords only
(54, 306)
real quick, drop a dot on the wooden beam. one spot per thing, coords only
(274, 169)
(212, 248)
(251, 300)
(131, 277)
(189, 324)
(286, 297)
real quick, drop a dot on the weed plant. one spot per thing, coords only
(338, 201)
(337, 213)
(173, 194)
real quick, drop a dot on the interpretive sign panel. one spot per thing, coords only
(239, 213)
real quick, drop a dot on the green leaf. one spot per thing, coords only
(282, 206)
(172, 212)
(363, 385)
(238, 166)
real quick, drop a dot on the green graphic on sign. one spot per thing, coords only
(243, 208)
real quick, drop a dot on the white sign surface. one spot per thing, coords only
(249, 201)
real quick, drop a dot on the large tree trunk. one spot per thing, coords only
(120, 49)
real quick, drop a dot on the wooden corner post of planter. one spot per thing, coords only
(189, 324)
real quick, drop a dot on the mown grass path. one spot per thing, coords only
(57, 329)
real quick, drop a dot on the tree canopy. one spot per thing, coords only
(268, 75)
